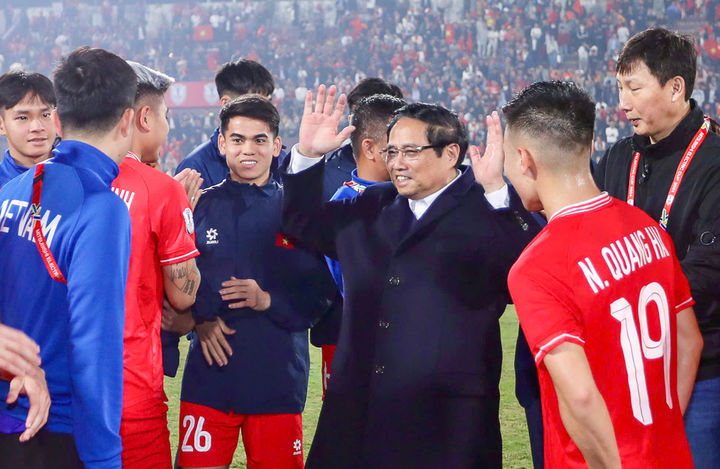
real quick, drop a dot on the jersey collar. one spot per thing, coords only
(582, 207)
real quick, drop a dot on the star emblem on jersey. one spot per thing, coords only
(297, 446)
(211, 236)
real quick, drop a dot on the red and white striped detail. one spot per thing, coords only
(589, 205)
(554, 342)
(178, 259)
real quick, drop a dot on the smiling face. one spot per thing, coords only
(249, 147)
(651, 108)
(429, 172)
(29, 129)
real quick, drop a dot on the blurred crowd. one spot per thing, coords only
(468, 55)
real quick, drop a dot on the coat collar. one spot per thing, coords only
(399, 223)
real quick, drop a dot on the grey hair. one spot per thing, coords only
(150, 81)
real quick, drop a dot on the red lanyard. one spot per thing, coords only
(40, 241)
(679, 173)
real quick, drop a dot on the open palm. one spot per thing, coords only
(319, 127)
(488, 169)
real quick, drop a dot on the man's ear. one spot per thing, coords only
(224, 99)
(678, 89)
(368, 149)
(2, 124)
(453, 152)
(221, 143)
(125, 126)
(142, 119)
(277, 146)
(57, 123)
(528, 164)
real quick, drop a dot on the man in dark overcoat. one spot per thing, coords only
(425, 261)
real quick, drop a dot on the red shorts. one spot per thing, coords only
(328, 351)
(145, 436)
(209, 437)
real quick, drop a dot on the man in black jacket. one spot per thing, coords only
(670, 168)
(425, 261)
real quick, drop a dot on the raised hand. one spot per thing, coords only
(488, 169)
(319, 127)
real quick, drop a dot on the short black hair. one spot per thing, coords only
(252, 106)
(150, 82)
(94, 88)
(14, 86)
(443, 126)
(667, 54)
(368, 87)
(371, 118)
(557, 112)
(244, 76)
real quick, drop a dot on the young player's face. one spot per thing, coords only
(519, 175)
(249, 147)
(159, 130)
(418, 178)
(29, 129)
(647, 104)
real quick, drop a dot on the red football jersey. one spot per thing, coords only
(604, 275)
(162, 234)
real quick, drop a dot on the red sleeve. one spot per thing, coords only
(173, 222)
(544, 305)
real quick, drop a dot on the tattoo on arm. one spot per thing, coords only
(184, 278)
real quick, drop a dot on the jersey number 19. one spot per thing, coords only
(636, 347)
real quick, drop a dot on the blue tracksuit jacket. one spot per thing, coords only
(238, 234)
(78, 325)
(9, 169)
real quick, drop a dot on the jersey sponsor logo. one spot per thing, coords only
(125, 195)
(624, 256)
(24, 215)
(297, 447)
(189, 223)
(211, 236)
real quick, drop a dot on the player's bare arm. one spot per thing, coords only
(214, 345)
(180, 322)
(19, 354)
(182, 281)
(582, 408)
(318, 128)
(690, 344)
(34, 386)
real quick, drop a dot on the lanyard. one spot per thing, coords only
(679, 173)
(40, 241)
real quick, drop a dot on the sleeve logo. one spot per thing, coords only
(189, 223)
